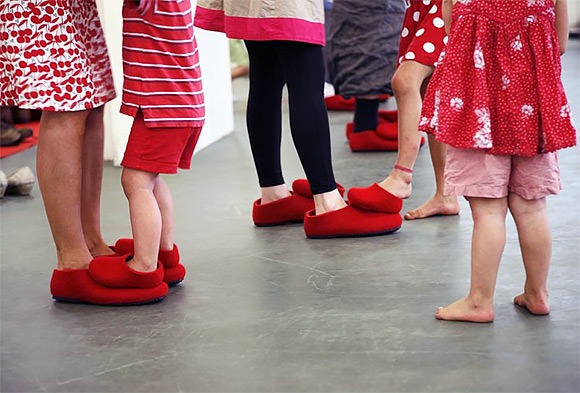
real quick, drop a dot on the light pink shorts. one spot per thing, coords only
(474, 173)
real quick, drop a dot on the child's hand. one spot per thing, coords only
(561, 10)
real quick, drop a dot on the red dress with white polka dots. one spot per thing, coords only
(53, 55)
(498, 86)
(423, 36)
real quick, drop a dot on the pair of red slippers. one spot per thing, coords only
(110, 281)
(384, 138)
(350, 221)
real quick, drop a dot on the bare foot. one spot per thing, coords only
(537, 305)
(398, 183)
(465, 310)
(328, 201)
(439, 205)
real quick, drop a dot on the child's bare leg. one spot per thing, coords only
(487, 246)
(165, 203)
(407, 83)
(145, 217)
(58, 166)
(439, 204)
(536, 244)
(92, 159)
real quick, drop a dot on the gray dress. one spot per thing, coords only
(362, 45)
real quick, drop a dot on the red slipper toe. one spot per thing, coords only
(375, 198)
(302, 187)
(350, 222)
(113, 271)
(77, 286)
(283, 211)
(174, 275)
(367, 141)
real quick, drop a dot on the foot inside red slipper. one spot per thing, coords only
(169, 258)
(367, 141)
(339, 103)
(380, 120)
(375, 198)
(350, 222)
(302, 187)
(283, 211)
(173, 271)
(113, 271)
(77, 286)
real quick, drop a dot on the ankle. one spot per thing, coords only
(540, 292)
(166, 245)
(479, 301)
(141, 265)
(73, 259)
(274, 193)
(328, 201)
(401, 176)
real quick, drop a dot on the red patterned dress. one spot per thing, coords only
(53, 55)
(498, 86)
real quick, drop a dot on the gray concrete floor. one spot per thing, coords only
(265, 309)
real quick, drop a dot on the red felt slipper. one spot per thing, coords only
(390, 116)
(113, 271)
(77, 286)
(350, 222)
(283, 211)
(302, 187)
(367, 141)
(173, 271)
(375, 198)
(339, 103)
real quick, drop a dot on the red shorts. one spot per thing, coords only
(159, 150)
(423, 37)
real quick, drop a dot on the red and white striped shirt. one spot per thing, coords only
(161, 68)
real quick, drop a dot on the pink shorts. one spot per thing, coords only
(475, 173)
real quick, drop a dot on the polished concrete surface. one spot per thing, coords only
(265, 309)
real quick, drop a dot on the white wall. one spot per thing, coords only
(215, 66)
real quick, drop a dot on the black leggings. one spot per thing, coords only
(300, 66)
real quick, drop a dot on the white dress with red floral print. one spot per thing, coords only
(53, 55)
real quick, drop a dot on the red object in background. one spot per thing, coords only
(6, 151)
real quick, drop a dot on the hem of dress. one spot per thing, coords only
(495, 150)
(51, 108)
(260, 29)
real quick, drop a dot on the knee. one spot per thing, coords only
(134, 181)
(519, 206)
(404, 83)
(486, 208)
